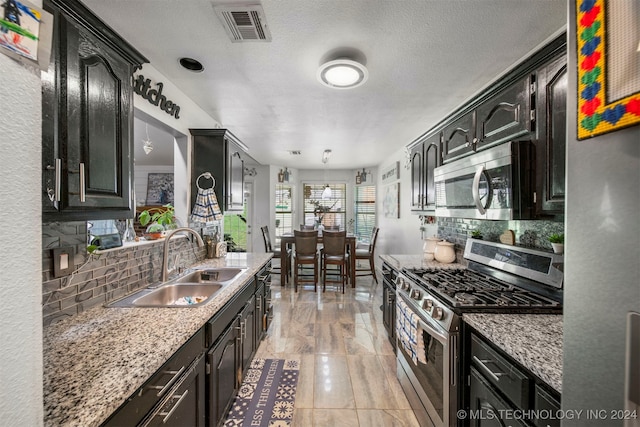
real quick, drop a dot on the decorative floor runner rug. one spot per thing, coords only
(266, 396)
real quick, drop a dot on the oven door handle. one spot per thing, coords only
(475, 190)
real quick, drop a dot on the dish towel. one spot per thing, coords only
(206, 208)
(409, 332)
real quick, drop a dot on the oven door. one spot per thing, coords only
(431, 387)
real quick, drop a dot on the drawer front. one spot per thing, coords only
(156, 388)
(502, 373)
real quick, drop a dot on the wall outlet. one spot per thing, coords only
(62, 261)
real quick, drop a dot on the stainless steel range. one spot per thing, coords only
(429, 305)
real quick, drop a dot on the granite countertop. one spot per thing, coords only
(399, 262)
(95, 360)
(534, 340)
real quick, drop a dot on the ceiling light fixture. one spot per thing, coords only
(342, 74)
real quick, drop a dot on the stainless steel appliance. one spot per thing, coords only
(499, 278)
(497, 183)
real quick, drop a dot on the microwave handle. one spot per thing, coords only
(475, 190)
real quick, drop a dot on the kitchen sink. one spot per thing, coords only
(192, 289)
(210, 275)
(178, 295)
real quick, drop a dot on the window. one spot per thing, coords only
(365, 211)
(328, 212)
(284, 216)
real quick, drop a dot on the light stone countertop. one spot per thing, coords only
(95, 360)
(399, 262)
(533, 340)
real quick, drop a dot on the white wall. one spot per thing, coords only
(398, 235)
(602, 249)
(21, 270)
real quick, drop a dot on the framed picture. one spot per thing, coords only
(159, 189)
(608, 67)
(391, 200)
(26, 32)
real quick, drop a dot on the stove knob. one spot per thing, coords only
(415, 294)
(428, 304)
(405, 285)
(437, 313)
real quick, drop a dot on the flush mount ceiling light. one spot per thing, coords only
(342, 74)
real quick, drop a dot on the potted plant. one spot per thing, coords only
(557, 242)
(161, 219)
(476, 234)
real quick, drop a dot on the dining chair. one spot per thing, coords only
(276, 254)
(305, 253)
(368, 254)
(304, 227)
(334, 252)
(332, 228)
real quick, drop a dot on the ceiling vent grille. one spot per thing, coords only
(244, 23)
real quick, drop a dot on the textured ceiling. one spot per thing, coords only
(425, 58)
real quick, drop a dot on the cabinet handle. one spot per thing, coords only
(176, 375)
(54, 194)
(483, 364)
(259, 303)
(83, 192)
(262, 278)
(180, 398)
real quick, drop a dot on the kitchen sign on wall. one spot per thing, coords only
(391, 173)
(145, 89)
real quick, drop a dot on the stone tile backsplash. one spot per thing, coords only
(531, 234)
(110, 275)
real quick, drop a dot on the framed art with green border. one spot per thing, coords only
(608, 54)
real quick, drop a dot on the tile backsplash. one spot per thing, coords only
(108, 276)
(531, 234)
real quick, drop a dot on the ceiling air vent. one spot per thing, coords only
(244, 23)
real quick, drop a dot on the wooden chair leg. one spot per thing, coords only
(373, 269)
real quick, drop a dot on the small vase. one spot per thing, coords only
(444, 252)
(558, 248)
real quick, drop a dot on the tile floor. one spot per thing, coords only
(348, 368)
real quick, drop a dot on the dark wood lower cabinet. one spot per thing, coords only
(185, 406)
(222, 382)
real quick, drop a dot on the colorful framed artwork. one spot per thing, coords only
(608, 55)
(26, 32)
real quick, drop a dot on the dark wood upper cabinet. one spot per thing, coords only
(458, 137)
(425, 157)
(216, 151)
(87, 120)
(552, 126)
(504, 117)
(416, 177)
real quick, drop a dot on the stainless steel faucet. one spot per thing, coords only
(165, 251)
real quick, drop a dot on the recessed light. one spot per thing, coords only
(192, 65)
(342, 74)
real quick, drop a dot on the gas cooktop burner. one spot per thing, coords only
(471, 289)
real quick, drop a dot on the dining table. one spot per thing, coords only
(287, 240)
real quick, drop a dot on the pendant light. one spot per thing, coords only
(326, 193)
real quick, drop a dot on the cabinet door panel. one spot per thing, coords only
(431, 161)
(416, 178)
(552, 99)
(222, 380)
(458, 137)
(505, 116)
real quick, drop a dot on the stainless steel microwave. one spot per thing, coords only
(497, 183)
